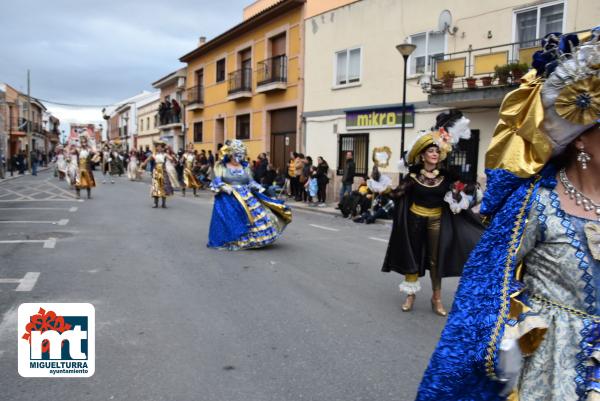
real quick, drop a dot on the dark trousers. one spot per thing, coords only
(322, 191)
(424, 240)
(294, 186)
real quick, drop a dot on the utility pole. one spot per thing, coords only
(29, 123)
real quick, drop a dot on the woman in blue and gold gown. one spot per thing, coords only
(242, 218)
(525, 324)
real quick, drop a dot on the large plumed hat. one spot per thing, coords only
(450, 127)
(234, 148)
(556, 102)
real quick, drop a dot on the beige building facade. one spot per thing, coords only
(354, 76)
(148, 126)
(171, 108)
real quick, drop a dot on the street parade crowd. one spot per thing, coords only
(525, 323)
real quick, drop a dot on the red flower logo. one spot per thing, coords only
(43, 321)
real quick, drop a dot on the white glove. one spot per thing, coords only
(510, 362)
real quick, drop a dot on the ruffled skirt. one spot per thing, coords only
(244, 220)
(161, 185)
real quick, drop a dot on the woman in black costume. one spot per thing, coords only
(426, 234)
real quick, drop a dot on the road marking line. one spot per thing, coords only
(64, 191)
(48, 243)
(8, 328)
(62, 222)
(71, 209)
(378, 239)
(42, 200)
(25, 284)
(323, 227)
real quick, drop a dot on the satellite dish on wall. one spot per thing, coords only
(445, 22)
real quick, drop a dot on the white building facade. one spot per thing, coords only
(354, 74)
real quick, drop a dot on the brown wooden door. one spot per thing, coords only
(200, 77)
(278, 45)
(282, 146)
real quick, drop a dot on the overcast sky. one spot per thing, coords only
(99, 52)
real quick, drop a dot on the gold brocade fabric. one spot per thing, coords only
(158, 181)
(579, 102)
(85, 179)
(425, 211)
(411, 278)
(188, 178)
(280, 210)
(518, 144)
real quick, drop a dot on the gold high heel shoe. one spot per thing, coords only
(408, 303)
(438, 308)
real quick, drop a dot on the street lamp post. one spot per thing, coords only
(406, 50)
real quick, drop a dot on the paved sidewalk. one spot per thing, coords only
(8, 177)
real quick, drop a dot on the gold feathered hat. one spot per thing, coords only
(557, 101)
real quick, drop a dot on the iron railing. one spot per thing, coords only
(474, 68)
(240, 81)
(272, 70)
(195, 94)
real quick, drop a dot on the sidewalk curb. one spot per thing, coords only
(315, 209)
(334, 213)
(14, 177)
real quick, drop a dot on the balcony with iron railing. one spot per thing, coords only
(194, 98)
(479, 77)
(22, 126)
(271, 74)
(240, 84)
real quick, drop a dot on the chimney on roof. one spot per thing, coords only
(201, 41)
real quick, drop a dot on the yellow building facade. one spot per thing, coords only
(247, 84)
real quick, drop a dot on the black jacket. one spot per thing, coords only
(260, 169)
(268, 178)
(349, 172)
(322, 170)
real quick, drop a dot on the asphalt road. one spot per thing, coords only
(309, 318)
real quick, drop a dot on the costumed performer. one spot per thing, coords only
(426, 234)
(242, 216)
(189, 179)
(84, 178)
(161, 185)
(525, 324)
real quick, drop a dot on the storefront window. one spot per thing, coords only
(358, 144)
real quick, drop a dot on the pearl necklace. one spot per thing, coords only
(580, 198)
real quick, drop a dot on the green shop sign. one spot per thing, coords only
(389, 117)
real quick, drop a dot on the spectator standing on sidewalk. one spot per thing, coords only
(312, 186)
(299, 184)
(306, 175)
(292, 174)
(22, 162)
(260, 167)
(34, 162)
(322, 180)
(348, 176)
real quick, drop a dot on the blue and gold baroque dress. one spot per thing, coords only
(534, 278)
(243, 218)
